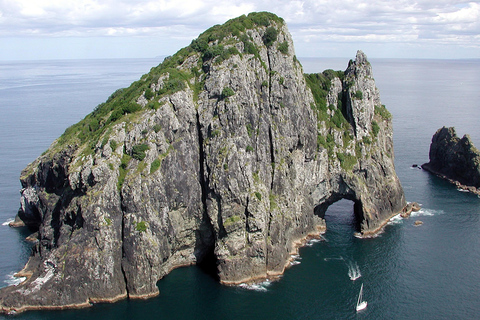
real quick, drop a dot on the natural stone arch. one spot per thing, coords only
(321, 209)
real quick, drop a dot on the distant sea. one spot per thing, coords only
(427, 272)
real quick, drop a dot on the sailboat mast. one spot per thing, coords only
(360, 295)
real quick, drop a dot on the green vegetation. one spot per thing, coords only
(375, 128)
(347, 161)
(157, 127)
(148, 94)
(383, 112)
(258, 195)
(235, 27)
(217, 43)
(273, 202)
(319, 84)
(108, 221)
(227, 92)
(249, 149)
(155, 165)
(283, 47)
(122, 171)
(231, 220)
(113, 145)
(270, 36)
(249, 129)
(358, 95)
(141, 226)
(138, 151)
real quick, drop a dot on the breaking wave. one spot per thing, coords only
(261, 287)
(295, 259)
(6, 223)
(11, 280)
(426, 212)
(397, 219)
(311, 242)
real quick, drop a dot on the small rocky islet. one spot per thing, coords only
(455, 159)
(225, 155)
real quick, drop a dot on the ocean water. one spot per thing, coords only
(425, 272)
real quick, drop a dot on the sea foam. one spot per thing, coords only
(6, 223)
(261, 287)
(397, 219)
(11, 280)
(426, 212)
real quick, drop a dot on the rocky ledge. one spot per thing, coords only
(454, 159)
(226, 155)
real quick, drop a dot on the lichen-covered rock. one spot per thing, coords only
(225, 155)
(455, 159)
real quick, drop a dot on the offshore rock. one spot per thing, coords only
(455, 159)
(409, 208)
(226, 155)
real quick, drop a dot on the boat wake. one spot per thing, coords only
(353, 270)
(330, 259)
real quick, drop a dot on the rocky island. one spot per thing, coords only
(226, 155)
(455, 159)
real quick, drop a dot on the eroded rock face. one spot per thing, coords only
(455, 159)
(229, 172)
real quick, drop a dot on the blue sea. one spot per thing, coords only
(430, 271)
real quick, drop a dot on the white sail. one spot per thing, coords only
(361, 304)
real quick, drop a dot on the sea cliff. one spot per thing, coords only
(225, 155)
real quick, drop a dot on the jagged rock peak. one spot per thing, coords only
(225, 155)
(455, 159)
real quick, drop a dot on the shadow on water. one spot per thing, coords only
(341, 222)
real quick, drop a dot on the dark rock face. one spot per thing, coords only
(454, 159)
(238, 162)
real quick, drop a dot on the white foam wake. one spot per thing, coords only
(353, 270)
(6, 223)
(329, 259)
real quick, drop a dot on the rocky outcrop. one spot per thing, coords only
(226, 155)
(455, 159)
(409, 208)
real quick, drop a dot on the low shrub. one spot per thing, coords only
(138, 151)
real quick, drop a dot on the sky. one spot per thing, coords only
(84, 29)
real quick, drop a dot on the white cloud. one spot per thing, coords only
(403, 21)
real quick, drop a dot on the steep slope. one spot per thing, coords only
(225, 155)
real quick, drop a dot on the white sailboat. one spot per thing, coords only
(361, 304)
